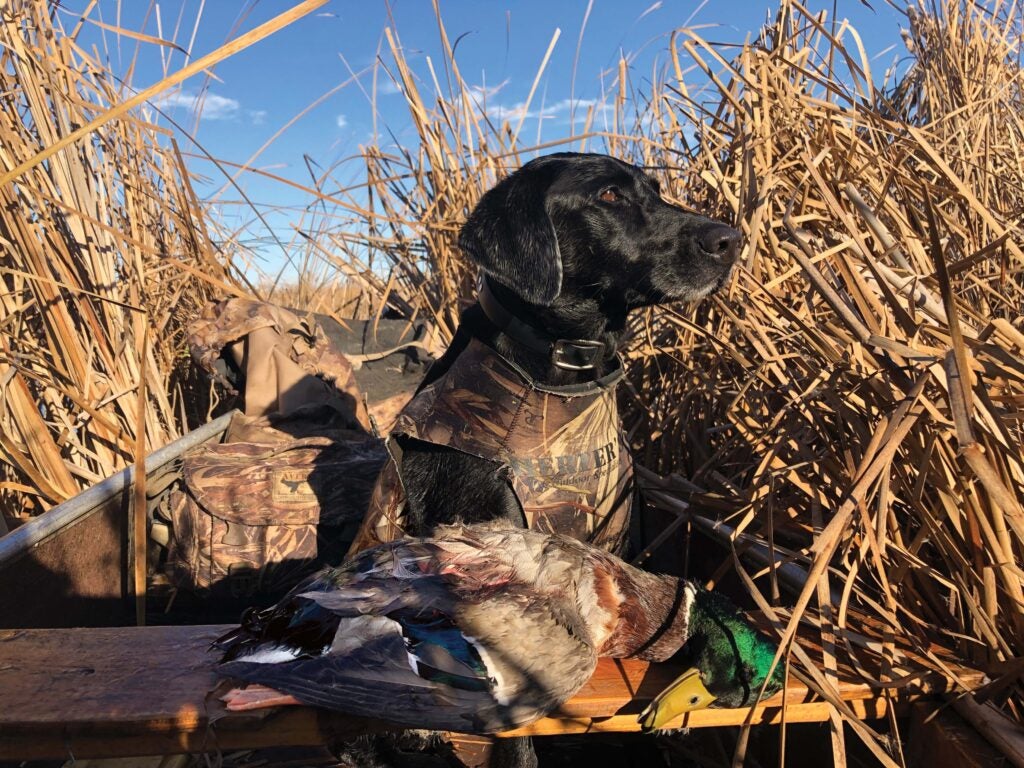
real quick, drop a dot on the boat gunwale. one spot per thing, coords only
(25, 538)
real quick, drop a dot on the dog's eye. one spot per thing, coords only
(610, 195)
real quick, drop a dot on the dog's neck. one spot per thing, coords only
(568, 318)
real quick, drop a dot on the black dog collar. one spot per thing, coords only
(567, 354)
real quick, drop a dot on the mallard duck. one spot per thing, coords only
(486, 630)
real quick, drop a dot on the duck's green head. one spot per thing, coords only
(729, 662)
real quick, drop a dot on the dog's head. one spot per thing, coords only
(590, 227)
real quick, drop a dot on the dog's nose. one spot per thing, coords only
(722, 242)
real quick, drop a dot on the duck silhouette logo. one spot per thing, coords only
(292, 485)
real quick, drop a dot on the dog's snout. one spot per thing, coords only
(721, 242)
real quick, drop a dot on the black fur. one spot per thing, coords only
(573, 265)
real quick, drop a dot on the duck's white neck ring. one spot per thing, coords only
(674, 629)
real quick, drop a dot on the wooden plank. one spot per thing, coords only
(472, 751)
(940, 738)
(1001, 732)
(133, 691)
(150, 690)
(769, 713)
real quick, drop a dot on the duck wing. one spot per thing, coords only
(402, 635)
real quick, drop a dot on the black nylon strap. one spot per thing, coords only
(567, 354)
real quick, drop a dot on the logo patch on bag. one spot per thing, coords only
(292, 485)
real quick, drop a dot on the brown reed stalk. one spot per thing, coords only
(100, 242)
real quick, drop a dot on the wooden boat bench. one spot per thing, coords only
(78, 693)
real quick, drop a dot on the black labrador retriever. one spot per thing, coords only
(568, 246)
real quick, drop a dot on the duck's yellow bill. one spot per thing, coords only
(685, 694)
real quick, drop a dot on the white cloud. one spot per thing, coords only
(208, 106)
(555, 110)
(387, 87)
(257, 116)
(341, 121)
(583, 105)
(486, 93)
(517, 111)
(652, 9)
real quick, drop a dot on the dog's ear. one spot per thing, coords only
(510, 235)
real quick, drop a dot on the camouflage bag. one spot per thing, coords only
(286, 490)
(253, 518)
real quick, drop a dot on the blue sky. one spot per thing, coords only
(500, 47)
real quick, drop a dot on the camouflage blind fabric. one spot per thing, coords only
(288, 363)
(562, 448)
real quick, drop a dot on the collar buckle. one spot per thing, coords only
(567, 354)
(576, 354)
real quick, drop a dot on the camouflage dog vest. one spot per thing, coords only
(562, 448)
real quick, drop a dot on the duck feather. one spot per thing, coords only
(457, 634)
(481, 630)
